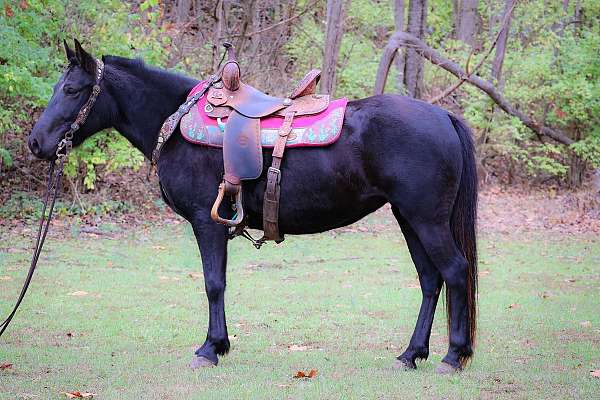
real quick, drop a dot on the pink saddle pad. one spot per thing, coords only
(320, 129)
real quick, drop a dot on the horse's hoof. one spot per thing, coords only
(404, 365)
(446, 369)
(201, 362)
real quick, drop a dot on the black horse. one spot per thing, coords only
(393, 149)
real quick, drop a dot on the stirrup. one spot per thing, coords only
(237, 207)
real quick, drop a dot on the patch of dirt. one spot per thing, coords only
(503, 210)
(516, 210)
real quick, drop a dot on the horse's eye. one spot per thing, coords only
(69, 90)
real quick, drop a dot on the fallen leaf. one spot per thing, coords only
(159, 247)
(295, 347)
(8, 11)
(5, 278)
(23, 5)
(195, 275)
(484, 272)
(301, 374)
(5, 366)
(595, 373)
(79, 395)
(514, 305)
(79, 293)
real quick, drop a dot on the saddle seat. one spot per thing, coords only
(253, 103)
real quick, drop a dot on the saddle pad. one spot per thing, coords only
(320, 129)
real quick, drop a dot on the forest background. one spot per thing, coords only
(541, 57)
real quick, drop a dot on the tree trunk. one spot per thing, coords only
(501, 46)
(399, 57)
(219, 17)
(468, 22)
(455, 18)
(333, 40)
(183, 9)
(413, 63)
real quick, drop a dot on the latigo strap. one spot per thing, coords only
(272, 192)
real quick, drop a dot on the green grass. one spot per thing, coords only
(347, 298)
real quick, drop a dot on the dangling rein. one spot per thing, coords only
(55, 173)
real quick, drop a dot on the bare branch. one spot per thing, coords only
(458, 84)
(404, 39)
(275, 25)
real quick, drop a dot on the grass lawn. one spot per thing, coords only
(122, 317)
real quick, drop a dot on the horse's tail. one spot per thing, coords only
(463, 221)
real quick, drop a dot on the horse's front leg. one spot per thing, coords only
(212, 241)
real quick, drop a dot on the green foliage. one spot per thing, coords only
(365, 33)
(27, 206)
(32, 57)
(551, 70)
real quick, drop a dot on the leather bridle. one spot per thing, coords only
(55, 173)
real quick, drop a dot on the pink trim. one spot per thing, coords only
(271, 123)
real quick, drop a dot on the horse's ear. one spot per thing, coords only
(70, 53)
(86, 61)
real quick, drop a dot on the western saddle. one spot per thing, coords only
(244, 106)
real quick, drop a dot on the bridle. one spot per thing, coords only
(55, 173)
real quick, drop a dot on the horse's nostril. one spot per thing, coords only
(34, 146)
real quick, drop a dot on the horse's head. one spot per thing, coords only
(70, 94)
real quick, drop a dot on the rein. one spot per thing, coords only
(53, 187)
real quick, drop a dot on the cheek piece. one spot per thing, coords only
(53, 186)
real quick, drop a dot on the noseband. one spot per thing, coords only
(53, 186)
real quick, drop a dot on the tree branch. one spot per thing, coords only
(458, 84)
(404, 39)
(275, 25)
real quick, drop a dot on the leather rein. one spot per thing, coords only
(55, 173)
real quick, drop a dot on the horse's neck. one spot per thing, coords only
(145, 98)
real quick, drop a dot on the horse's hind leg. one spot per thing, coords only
(439, 243)
(431, 284)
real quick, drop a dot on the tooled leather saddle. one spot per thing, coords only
(225, 112)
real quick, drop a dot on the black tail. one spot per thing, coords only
(464, 219)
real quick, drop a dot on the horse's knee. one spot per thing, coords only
(214, 288)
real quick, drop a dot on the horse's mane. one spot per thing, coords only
(144, 72)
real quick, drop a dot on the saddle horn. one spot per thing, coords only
(231, 70)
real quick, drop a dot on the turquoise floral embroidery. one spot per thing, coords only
(321, 132)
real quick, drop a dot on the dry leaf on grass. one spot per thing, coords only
(310, 374)
(195, 275)
(5, 366)
(159, 247)
(295, 347)
(595, 373)
(514, 305)
(79, 293)
(79, 395)
(8, 11)
(5, 278)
